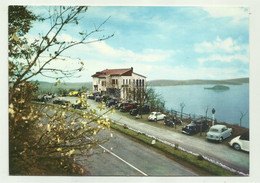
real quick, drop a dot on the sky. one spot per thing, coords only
(168, 42)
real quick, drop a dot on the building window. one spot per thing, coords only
(116, 81)
(123, 81)
(133, 81)
(129, 81)
(137, 82)
(103, 83)
(126, 81)
(95, 87)
(143, 82)
(113, 81)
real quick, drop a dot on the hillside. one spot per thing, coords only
(50, 87)
(47, 86)
(237, 81)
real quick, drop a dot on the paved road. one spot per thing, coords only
(121, 156)
(217, 152)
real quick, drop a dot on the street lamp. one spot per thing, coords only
(213, 116)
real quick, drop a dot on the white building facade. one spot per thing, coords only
(120, 83)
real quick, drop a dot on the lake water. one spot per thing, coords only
(228, 103)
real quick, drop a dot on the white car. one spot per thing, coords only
(156, 116)
(240, 142)
(219, 133)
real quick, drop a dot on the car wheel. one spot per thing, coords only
(221, 139)
(236, 146)
(155, 119)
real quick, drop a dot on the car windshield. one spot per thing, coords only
(213, 130)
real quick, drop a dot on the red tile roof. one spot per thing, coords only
(112, 72)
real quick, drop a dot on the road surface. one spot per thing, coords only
(121, 156)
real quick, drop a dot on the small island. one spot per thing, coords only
(218, 87)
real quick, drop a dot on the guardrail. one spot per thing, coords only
(188, 116)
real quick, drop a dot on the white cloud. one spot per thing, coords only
(61, 37)
(152, 72)
(219, 50)
(62, 63)
(66, 38)
(122, 54)
(228, 45)
(226, 58)
(237, 13)
(164, 72)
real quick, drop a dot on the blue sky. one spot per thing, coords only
(176, 43)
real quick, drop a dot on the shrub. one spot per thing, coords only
(200, 157)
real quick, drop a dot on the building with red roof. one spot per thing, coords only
(119, 83)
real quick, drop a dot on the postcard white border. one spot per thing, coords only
(254, 7)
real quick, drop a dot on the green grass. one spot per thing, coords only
(176, 153)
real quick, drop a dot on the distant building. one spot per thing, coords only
(120, 83)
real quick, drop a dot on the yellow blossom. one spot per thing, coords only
(59, 149)
(48, 127)
(14, 37)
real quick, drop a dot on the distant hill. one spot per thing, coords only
(237, 81)
(50, 87)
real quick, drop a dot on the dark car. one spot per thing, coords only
(127, 108)
(195, 127)
(111, 102)
(145, 110)
(121, 105)
(105, 98)
(98, 98)
(93, 96)
(61, 102)
(78, 106)
(168, 122)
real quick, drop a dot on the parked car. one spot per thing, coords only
(219, 133)
(120, 105)
(61, 102)
(78, 105)
(156, 116)
(145, 110)
(98, 98)
(111, 102)
(44, 97)
(105, 98)
(171, 121)
(240, 142)
(93, 95)
(73, 93)
(168, 122)
(196, 126)
(127, 108)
